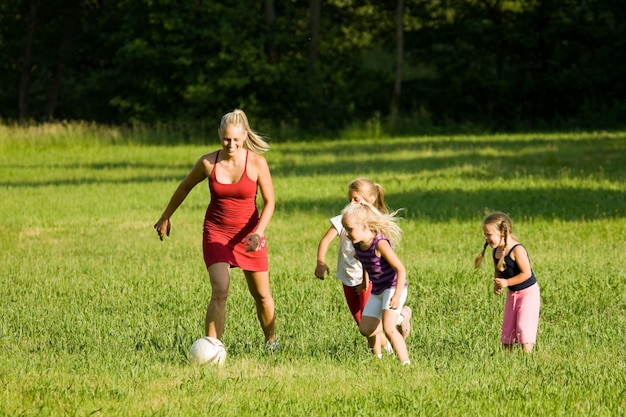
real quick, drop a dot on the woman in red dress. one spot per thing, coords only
(234, 231)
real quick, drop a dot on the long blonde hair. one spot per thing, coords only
(503, 223)
(254, 141)
(370, 190)
(385, 224)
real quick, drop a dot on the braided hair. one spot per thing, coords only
(503, 224)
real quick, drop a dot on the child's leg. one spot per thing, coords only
(370, 325)
(508, 333)
(390, 319)
(356, 301)
(528, 317)
(404, 321)
(371, 328)
(391, 331)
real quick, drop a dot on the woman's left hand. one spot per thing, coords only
(254, 242)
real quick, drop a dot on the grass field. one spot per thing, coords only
(98, 314)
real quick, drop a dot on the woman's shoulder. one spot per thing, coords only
(209, 157)
(255, 157)
(257, 161)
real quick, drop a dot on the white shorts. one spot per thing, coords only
(377, 303)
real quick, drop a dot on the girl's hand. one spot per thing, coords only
(499, 284)
(321, 270)
(394, 303)
(163, 227)
(254, 242)
(362, 286)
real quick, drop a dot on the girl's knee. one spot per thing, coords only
(369, 326)
(365, 332)
(389, 330)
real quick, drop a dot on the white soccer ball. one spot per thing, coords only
(207, 349)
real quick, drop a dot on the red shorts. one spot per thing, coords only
(356, 301)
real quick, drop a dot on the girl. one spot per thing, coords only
(512, 271)
(349, 269)
(234, 230)
(373, 235)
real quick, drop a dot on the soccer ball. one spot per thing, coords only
(207, 349)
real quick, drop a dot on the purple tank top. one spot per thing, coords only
(381, 274)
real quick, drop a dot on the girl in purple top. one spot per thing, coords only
(373, 233)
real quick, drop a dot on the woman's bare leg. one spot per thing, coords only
(215, 320)
(259, 286)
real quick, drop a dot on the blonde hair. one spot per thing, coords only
(385, 224)
(254, 141)
(503, 223)
(369, 191)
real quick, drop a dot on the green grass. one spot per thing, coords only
(98, 314)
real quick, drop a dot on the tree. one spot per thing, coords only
(394, 107)
(26, 79)
(315, 9)
(64, 47)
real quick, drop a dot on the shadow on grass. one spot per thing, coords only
(568, 204)
(493, 160)
(545, 157)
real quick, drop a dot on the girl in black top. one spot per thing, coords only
(512, 271)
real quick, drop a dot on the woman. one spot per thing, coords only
(234, 231)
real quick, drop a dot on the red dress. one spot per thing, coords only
(231, 216)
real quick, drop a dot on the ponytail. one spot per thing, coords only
(370, 191)
(379, 203)
(254, 142)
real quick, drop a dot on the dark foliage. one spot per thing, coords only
(500, 65)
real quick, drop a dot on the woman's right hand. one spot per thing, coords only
(163, 227)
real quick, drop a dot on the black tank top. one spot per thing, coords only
(512, 269)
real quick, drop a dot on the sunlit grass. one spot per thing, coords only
(98, 314)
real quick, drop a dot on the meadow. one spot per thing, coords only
(98, 314)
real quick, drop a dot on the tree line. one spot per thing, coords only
(314, 64)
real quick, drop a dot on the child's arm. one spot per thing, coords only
(322, 269)
(520, 256)
(387, 252)
(365, 283)
(497, 289)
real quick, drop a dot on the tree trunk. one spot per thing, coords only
(269, 15)
(315, 11)
(23, 102)
(394, 108)
(66, 41)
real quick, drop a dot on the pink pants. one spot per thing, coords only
(521, 316)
